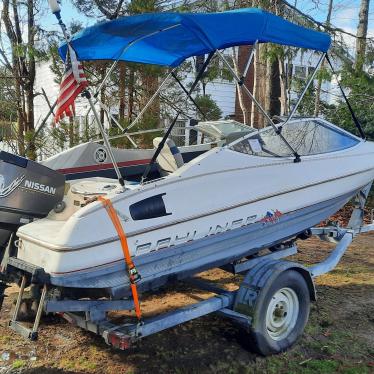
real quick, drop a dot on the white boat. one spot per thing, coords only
(259, 191)
(226, 203)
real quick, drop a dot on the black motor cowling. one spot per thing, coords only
(28, 190)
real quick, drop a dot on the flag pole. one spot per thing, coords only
(56, 10)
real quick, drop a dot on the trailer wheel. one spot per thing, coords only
(280, 314)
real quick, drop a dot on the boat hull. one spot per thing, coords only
(215, 194)
(179, 262)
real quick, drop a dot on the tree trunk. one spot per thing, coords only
(289, 72)
(71, 132)
(30, 79)
(239, 89)
(102, 96)
(22, 67)
(362, 30)
(261, 85)
(12, 33)
(268, 88)
(20, 123)
(150, 83)
(275, 89)
(131, 94)
(272, 88)
(122, 91)
(256, 85)
(317, 102)
(283, 87)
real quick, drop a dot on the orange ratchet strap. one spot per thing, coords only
(134, 276)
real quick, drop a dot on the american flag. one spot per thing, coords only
(73, 83)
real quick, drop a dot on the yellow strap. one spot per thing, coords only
(131, 269)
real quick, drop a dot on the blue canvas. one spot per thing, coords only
(167, 39)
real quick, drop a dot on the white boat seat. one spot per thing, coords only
(170, 158)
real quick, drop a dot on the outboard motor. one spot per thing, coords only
(28, 191)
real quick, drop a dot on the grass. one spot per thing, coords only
(82, 364)
(331, 340)
(66, 363)
(356, 370)
(18, 364)
(322, 366)
(5, 339)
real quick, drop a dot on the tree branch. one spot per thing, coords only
(327, 27)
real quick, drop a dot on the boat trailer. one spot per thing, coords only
(244, 306)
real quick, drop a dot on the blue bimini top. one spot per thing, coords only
(167, 39)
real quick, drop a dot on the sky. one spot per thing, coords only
(68, 14)
(344, 15)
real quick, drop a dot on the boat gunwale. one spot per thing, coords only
(172, 179)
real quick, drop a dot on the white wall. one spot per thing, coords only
(5, 146)
(223, 93)
(46, 79)
(309, 59)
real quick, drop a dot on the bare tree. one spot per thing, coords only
(21, 63)
(239, 89)
(256, 83)
(283, 86)
(362, 30)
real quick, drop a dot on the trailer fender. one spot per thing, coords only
(259, 279)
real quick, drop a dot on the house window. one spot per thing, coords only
(300, 72)
(311, 70)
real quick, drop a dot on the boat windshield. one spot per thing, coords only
(307, 137)
(221, 129)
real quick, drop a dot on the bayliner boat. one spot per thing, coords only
(236, 199)
(228, 203)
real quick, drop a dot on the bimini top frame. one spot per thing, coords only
(168, 39)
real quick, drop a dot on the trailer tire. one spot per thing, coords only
(280, 314)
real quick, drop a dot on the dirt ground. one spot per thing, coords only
(338, 338)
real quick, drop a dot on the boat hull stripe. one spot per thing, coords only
(82, 169)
